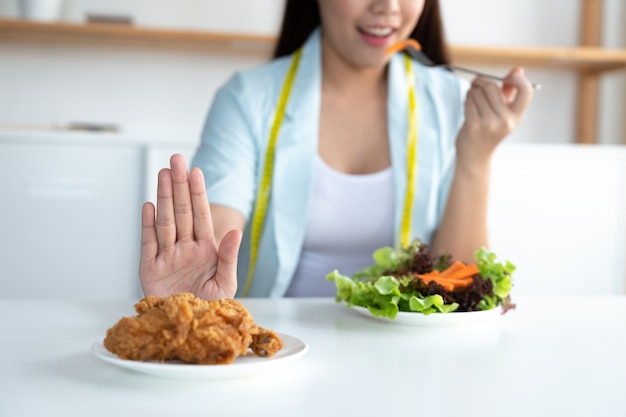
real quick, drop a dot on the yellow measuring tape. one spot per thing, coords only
(263, 192)
(411, 165)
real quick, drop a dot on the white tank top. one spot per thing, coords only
(349, 217)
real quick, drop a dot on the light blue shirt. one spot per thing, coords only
(236, 133)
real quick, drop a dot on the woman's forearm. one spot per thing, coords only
(463, 227)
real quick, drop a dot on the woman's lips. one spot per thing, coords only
(376, 36)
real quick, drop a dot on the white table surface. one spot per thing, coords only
(549, 357)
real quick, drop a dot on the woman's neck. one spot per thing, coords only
(340, 76)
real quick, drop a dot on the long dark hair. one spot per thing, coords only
(303, 16)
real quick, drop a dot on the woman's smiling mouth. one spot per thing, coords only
(376, 35)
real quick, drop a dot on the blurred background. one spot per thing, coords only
(95, 95)
(164, 91)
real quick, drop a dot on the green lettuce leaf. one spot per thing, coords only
(499, 274)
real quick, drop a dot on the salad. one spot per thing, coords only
(411, 279)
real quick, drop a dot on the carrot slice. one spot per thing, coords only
(459, 283)
(401, 45)
(467, 271)
(453, 280)
(430, 276)
(457, 275)
(457, 266)
(396, 47)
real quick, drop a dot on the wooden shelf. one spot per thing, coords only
(592, 59)
(126, 35)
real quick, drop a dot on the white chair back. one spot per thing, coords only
(558, 212)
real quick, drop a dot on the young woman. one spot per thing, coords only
(328, 152)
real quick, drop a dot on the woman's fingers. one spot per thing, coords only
(492, 95)
(479, 101)
(519, 89)
(227, 265)
(510, 100)
(183, 211)
(202, 221)
(149, 242)
(165, 218)
(501, 108)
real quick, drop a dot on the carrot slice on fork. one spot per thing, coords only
(402, 45)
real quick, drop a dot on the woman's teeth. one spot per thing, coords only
(379, 32)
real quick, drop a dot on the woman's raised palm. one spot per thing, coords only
(179, 251)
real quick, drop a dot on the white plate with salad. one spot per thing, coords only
(412, 287)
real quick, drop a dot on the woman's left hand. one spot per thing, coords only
(491, 113)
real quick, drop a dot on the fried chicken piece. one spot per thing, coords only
(191, 329)
(265, 342)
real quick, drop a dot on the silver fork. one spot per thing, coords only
(420, 57)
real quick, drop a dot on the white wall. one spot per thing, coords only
(160, 94)
(166, 93)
